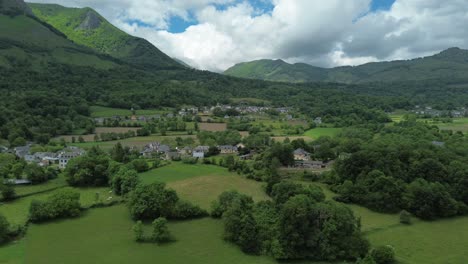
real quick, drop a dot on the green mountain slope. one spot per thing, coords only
(451, 63)
(24, 40)
(86, 27)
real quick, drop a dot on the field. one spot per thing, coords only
(109, 239)
(99, 130)
(282, 139)
(214, 127)
(459, 124)
(322, 131)
(16, 211)
(202, 184)
(101, 111)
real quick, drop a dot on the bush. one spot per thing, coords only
(405, 217)
(8, 192)
(138, 231)
(186, 210)
(160, 233)
(140, 165)
(64, 203)
(124, 181)
(383, 255)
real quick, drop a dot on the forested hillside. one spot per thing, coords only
(86, 27)
(451, 63)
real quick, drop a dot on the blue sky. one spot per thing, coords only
(179, 25)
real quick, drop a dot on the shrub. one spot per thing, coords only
(8, 192)
(138, 231)
(64, 203)
(160, 232)
(186, 210)
(405, 217)
(383, 255)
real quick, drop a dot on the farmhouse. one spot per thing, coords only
(68, 154)
(22, 151)
(185, 151)
(200, 151)
(301, 154)
(154, 148)
(227, 149)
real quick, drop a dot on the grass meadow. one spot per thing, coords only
(104, 235)
(322, 131)
(102, 111)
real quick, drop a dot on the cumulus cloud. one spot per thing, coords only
(323, 33)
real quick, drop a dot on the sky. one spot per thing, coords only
(217, 34)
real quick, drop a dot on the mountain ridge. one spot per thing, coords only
(87, 27)
(452, 62)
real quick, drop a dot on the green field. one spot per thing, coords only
(459, 124)
(202, 184)
(31, 189)
(322, 131)
(108, 236)
(102, 111)
(17, 211)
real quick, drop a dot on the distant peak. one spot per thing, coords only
(455, 54)
(91, 21)
(14, 7)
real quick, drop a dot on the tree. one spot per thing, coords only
(81, 139)
(151, 201)
(88, 170)
(118, 153)
(383, 255)
(4, 229)
(35, 173)
(140, 165)
(138, 231)
(367, 260)
(124, 181)
(160, 232)
(284, 190)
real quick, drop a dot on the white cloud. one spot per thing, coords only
(324, 33)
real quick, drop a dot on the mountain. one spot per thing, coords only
(86, 27)
(25, 40)
(451, 63)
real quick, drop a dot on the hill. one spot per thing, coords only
(451, 63)
(86, 27)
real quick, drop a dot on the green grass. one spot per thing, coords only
(102, 111)
(105, 236)
(322, 131)
(202, 184)
(17, 211)
(177, 171)
(50, 185)
(13, 253)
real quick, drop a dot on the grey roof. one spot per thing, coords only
(301, 152)
(227, 147)
(438, 143)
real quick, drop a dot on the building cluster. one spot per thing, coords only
(303, 159)
(430, 112)
(250, 109)
(44, 159)
(167, 153)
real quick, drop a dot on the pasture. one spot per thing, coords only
(213, 127)
(102, 111)
(322, 131)
(16, 212)
(202, 184)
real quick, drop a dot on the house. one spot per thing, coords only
(301, 154)
(185, 151)
(240, 146)
(246, 156)
(22, 151)
(310, 164)
(172, 155)
(3, 149)
(200, 151)
(154, 148)
(227, 149)
(68, 154)
(318, 121)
